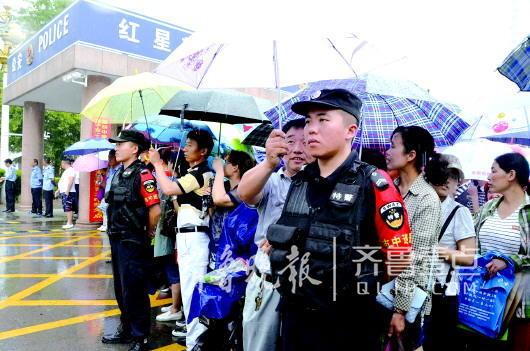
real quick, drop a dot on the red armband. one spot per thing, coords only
(391, 218)
(148, 188)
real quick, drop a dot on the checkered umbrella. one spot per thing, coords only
(382, 112)
(258, 135)
(516, 67)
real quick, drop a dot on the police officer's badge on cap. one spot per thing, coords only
(340, 99)
(132, 136)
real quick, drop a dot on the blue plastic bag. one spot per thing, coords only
(236, 241)
(481, 301)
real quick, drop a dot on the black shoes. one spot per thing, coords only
(139, 345)
(119, 337)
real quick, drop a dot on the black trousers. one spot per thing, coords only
(48, 202)
(440, 328)
(131, 264)
(10, 195)
(36, 204)
(357, 322)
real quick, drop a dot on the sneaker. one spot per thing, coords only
(168, 316)
(102, 228)
(181, 322)
(68, 226)
(179, 332)
(165, 308)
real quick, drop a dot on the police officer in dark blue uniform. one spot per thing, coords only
(133, 213)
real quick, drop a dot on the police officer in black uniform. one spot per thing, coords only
(327, 220)
(133, 212)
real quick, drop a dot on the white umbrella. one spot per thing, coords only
(506, 118)
(254, 59)
(476, 156)
(251, 58)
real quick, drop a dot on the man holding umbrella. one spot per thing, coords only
(192, 221)
(133, 212)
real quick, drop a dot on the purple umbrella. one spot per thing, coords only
(91, 162)
(386, 105)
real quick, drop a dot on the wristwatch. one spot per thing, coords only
(397, 310)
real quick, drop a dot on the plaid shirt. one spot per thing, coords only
(424, 209)
(521, 259)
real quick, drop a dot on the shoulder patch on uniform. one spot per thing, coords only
(379, 180)
(149, 185)
(393, 214)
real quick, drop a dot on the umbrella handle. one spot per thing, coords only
(145, 116)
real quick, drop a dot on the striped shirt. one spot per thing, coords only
(502, 235)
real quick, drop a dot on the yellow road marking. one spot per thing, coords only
(9, 232)
(42, 245)
(47, 275)
(49, 281)
(89, 276)
(52, 258)
(172, 347)
(70, 321)
(57, 324)
(36, 275)
(34, 231)
(25, 254)
(48, 236)
(65, 303)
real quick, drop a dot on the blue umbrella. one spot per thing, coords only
(386, 105)
(516, 67)
(89, 146)
(168, 130)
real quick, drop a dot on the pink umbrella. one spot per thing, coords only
(91, 162)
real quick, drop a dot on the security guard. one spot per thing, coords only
(133, 211)
(326, 247)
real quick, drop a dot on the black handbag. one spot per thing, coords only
(169, 222)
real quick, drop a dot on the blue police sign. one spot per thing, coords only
(94, 24)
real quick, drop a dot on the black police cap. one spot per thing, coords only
(132, 136)
(340, 99)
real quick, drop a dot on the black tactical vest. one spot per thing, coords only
(127, 213)
(324, 236)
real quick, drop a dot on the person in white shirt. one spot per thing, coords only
(66, 189)
(456, 247)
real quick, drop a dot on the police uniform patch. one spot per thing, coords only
(149, 185)
(392, 214)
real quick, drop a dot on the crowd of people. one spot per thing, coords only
(43, 186)
(331, 229)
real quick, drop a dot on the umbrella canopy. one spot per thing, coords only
(502, 120)
(516, 67)
(223, 106)
(476, 156)
(168, 130)
(278, 58)
(258, 135)
(130, 97)
(91, 162)
(89, 146)
(382, 113)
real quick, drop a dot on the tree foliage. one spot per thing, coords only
(39, 13)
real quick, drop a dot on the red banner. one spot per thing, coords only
(100, 129)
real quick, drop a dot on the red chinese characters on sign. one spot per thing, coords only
(100, 129)
(95, 180)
